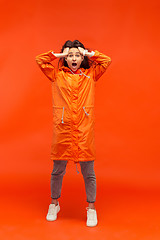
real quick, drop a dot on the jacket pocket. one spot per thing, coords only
(58, 115)
(89, 110)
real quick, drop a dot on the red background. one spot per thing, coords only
(127, 116)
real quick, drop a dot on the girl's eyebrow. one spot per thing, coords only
(72, 52)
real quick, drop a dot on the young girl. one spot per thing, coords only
(73, 90)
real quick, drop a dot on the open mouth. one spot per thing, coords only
(74, 64)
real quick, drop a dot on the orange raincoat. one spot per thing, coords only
(73, 107)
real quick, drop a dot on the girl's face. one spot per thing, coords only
(74, 59)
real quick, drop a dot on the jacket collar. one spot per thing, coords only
(67, 69)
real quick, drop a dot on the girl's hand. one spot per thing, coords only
(64, 54)
(81, 50)
(66, 51)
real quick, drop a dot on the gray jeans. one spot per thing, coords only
(87, 170)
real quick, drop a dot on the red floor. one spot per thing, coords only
(123, 212)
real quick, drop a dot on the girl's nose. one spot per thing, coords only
(74, 57)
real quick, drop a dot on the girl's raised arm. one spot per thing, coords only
(101, 64)
(44, 62)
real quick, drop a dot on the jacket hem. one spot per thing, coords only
(79, 160)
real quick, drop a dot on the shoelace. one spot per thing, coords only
(91, 214)
(52, 208)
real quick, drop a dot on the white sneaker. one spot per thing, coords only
(52, 212)
(91, 217)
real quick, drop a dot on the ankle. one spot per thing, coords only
(91, 205)
(54, 201)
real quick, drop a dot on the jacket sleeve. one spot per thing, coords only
(101, 64)
(44, 62)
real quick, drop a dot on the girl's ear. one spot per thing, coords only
(82, 57)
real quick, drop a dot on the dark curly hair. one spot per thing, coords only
(86, 63)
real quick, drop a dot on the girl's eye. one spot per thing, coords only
(71, 55)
